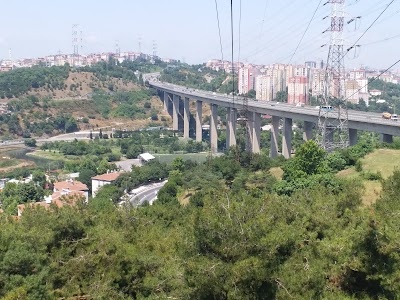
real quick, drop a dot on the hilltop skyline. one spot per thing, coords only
(189, 31)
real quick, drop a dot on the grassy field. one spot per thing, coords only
(52, 155)
(8, 162)
(168, 158)
(382, 160)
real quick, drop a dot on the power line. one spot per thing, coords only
(308, 26)
(383, 40)
(372, 24)
(233, 67)
(264, 15)
(373, 79)
(219, 30)
(240, 27)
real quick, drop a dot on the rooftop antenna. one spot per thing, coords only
(333, 115)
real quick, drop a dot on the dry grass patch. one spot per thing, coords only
(277, 173)
(184, 198)
(382, 160)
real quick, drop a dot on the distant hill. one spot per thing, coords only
(49, 101)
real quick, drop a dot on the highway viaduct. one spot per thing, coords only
(363, 121)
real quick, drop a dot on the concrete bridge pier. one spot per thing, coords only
(213, 128)
(231, 116)
(256, 144)
(175, 112)
(387, 138)
(274, 137)
(250, 130)
(199, 116)
(166, 102)
(307, 130)
(353, 137)
(287, 138)
(186, 118)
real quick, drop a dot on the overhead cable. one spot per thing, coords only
(308, 26)
(219, 30)
(373, 79)
(372, 24)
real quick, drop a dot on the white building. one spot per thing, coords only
(102, 180)
(265, 88)
(247, 79)
(145, 158)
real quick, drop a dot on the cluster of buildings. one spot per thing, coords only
(70, 191)
(303, 81)
(66, 193)
(76, 60)
(300, 81)
(223, 65)
(4, 109)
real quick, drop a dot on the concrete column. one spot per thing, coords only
(387, 138)
(330, 136)
(257, 133)
(186, 118)
(274, 137)
(199, 117)
(250, 131)
(287, 138)
(213, 128)
(307, 130)
(231, 119)
(166, 99)
(175, 112)
(352, 136)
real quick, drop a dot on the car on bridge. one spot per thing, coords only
(327, 108)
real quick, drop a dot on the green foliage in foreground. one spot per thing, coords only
(313, 245)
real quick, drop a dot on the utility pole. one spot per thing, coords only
(10, 58)
(154, 49)
(117, 48)
(333, 131)
(140, 45)
(75, 43)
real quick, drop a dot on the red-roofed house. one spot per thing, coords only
(58, 199)
(101, 180)
(71, 186)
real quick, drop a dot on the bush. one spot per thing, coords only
(335, 161)
(30, 142)
(147, 105)
(368, 175)
(359, 166)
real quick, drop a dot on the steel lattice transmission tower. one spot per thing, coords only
(333, 115)
(76, 43)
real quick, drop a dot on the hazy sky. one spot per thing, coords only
(187, 29)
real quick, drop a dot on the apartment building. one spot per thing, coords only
(298, 90)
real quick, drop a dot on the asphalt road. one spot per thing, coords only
(147, 193)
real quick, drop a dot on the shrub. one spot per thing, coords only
(359, 166)
(368, 175)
